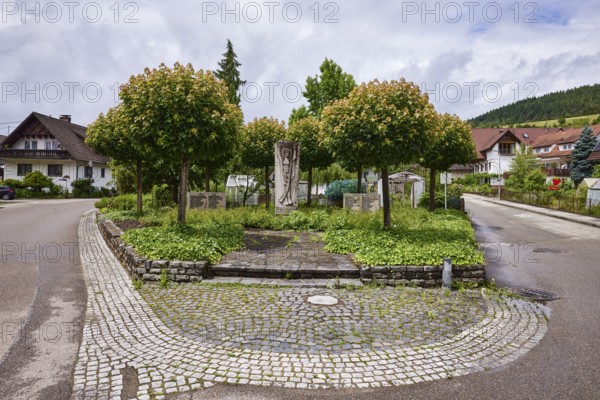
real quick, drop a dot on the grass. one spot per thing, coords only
(574, 122)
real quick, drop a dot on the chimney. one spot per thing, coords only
(65, 117)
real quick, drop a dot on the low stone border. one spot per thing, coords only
(422, 276)
(187, 271)
(149, 270)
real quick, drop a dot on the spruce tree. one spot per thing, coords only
(580, 166)
(229, 73)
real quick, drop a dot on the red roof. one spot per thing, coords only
(595, 156)
(486, 138)
(562, 136)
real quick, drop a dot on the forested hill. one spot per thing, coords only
(583, 100)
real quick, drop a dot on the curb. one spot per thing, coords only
(539, 210)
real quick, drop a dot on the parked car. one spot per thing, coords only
(7, 193)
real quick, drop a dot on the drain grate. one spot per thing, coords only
(548, 250)
(536, 294)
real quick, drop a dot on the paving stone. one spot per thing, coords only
(271, 336)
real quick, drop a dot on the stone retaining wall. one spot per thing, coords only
(187, 271)
(422, 276)
(149, 270)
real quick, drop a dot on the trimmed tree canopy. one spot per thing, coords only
(380, 124)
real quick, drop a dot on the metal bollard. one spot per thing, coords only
(447, 274)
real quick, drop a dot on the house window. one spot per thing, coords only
(546, 149)
(24, 169)
(88, 172)
(55, 170)
(102, 172)
(52, 145)
(507, 148)
(31, 145)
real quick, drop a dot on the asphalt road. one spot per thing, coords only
(42, 297)
(526, 250)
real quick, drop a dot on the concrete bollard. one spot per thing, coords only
(447, 274)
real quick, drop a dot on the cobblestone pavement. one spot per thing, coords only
(465, 333)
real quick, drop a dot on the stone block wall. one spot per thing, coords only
(422, 276)
(149, 270)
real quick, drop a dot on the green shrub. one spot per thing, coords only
(161, 197)
(338, 188)
(206, 241)
(13, 183)
(83, 188)
(454, 202)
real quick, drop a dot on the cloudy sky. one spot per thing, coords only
(69, 57)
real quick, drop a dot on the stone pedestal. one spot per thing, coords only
(206, 201)
(287, 173)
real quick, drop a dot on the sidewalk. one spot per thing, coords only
(567, 216)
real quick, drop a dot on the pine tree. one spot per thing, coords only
(229, 73)
(580, 167)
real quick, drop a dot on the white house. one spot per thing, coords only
(56, 147)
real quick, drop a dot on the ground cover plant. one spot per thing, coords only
(417, 236)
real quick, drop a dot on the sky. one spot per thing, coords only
(470, 57)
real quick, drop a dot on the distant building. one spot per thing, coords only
(56, 147)
(496, 148)
(595, 156)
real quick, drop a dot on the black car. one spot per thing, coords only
(7, 193)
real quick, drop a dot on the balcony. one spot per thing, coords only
(558, 172)
(46, 154)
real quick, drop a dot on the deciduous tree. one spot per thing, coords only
(332, 84)
(185, 115)
(380, 124)
(452, 143)
(314, 154)
(258, 146)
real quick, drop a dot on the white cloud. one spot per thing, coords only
(386, 40)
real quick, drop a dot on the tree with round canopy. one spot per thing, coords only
(380, 124)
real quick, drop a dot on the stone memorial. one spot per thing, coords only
(287, 173)
(352, 201)
(206, 201)
(361, 202)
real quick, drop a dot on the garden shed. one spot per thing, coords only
(239, 186)
(593, 195)
(397, 183)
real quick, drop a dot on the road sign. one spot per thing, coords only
(446, 178)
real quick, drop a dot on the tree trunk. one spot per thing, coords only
(138, 171)
(387, 213)
(359, 180)
(183, 186)
(206, 179)
(431, 189)
(267, 194)
(310, 178)
(174, 191)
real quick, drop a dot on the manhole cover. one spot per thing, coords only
(323, 300)
(536, 294)
(552, 251)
